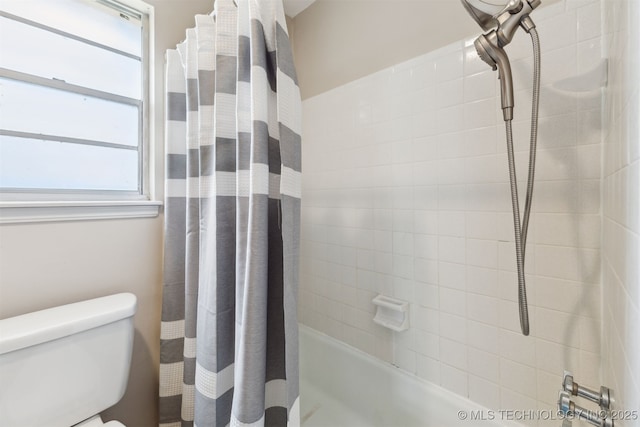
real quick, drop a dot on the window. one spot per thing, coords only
(73, 100)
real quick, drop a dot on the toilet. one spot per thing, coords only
(62, 366)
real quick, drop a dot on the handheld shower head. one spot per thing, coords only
(506, 18)
(495, 56)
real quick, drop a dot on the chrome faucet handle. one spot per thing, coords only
(565, 403)
(570, 409)
(602, 398)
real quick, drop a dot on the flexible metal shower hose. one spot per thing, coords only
(521, 229)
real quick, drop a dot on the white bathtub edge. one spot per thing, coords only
(454, 399)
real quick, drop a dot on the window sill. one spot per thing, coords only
(46, 211)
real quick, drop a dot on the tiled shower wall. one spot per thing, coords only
(621, 203)
(405, 193)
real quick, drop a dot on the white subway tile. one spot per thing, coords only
(590, 368)
(553, 293)
(483, 309)
(480, 86)
(383, 262)
(558, 327)
(453, 327)
(485, 365)
(481, 225)
(425, 173)
(405, 359)
(454, 379)
(426, 270)
(449, 67)
(452, 197)
(554, 358)
(449, 93)
(426, 296)
(424, 148)
(426, 197)
(425, 222)
(484, 392)
(453, 301)
(483, 336)
(548, 386)
(451, 119)
(451, 171)
(558, 31)
(451, 223)
(482, 281)
(518, 348)
(424, 123)
(428, 369)
(481, 141)
(428, 344)
(452, 275)
(557, 261)
(403, 220)
(589, 21)
(451, 145)
(557, 164)
(557, 229)
(485, 169)
(453, 353)
(403, 266)
(403, 196)
(479, 114)
(518, 377)
(482, 253)
(426, 246)
(428, 320)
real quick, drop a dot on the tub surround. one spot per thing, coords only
(621, 204)
(405, 193)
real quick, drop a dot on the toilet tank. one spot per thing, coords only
(65, 364)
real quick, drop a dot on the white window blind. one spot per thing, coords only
(72, 99)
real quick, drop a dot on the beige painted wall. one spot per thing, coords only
(338, 41)
(48, 264)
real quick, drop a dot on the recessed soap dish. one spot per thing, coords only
(391, 313)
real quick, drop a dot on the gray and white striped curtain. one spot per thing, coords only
(229, 338)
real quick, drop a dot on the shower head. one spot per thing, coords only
(486, 13)
(503, 18)
(501, 21)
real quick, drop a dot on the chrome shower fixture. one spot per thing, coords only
(501, 21)
(603, 398)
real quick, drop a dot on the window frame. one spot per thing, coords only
(38, 205)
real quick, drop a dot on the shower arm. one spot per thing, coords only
(509, 22)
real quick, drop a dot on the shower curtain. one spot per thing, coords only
(229, 338)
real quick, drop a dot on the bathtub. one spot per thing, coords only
(343, 387)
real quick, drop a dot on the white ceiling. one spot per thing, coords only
(294, 7)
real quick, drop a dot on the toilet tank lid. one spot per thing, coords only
(46, 325)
